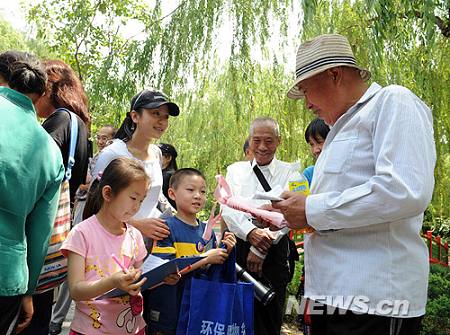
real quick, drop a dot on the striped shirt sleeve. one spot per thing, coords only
(165, 248)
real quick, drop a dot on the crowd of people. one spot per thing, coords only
(369, 189)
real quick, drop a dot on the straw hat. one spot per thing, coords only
(320, 54)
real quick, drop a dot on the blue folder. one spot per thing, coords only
(157, 275)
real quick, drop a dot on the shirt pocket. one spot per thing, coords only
(340, 153)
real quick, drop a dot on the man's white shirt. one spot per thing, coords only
(372, 182)
(243, 182)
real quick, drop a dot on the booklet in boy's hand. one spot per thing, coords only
(155, 269)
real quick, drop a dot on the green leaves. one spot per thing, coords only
(202, 53)
(436, 321)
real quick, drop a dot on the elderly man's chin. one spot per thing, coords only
(263, 159)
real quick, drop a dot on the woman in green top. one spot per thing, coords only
(31, 172)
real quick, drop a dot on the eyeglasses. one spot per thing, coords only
(102, 137)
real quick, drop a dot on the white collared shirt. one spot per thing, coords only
(372, 182)
(243, 182)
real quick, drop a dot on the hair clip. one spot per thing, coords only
(99, 176)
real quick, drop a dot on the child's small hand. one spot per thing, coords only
(229, 239)
(216, 256)
(172, 279)
(127, 281)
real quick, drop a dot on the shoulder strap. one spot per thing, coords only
(73, 141)
(261, 178)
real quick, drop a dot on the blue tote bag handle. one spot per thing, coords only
(226, 272)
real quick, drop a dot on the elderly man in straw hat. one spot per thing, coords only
(371, 185)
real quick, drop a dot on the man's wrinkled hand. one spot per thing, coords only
(269, 207)
(293, 209)
(254, 263)
(260, 239)
(153, 228)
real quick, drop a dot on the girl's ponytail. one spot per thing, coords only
(94, 200)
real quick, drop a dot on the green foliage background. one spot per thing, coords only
(437, 321)
(401, 41)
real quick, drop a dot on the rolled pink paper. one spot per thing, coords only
(224, 196)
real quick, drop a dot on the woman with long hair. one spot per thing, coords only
(65, 90)
(146, 122)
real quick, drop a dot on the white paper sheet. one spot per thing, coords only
(152, 262)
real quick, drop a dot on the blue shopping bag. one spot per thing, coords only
(216, 303)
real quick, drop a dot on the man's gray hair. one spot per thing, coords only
(265, 121)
